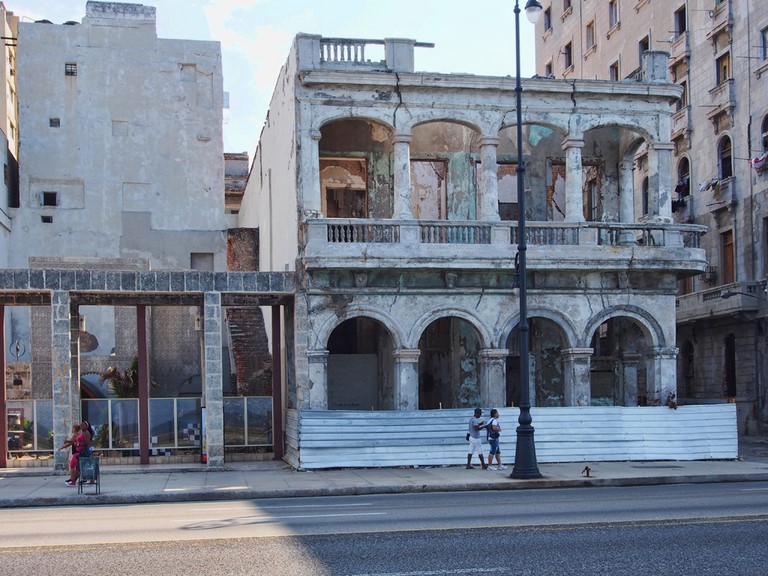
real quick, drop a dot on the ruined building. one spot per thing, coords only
(392, 194)
(718, 168)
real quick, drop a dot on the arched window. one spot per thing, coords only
(683, 187)
(645, 199)
(725, 156)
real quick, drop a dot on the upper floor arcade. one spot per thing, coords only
(387, 162)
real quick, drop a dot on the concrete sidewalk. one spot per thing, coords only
(166, 483)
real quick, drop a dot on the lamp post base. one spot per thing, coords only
(525, 455)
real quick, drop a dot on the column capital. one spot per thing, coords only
(573, 143)
(574, 353)
(490, 354)
(402, 138)
(317, 356)
(662, 146)
(406, 354)
(669, 352)
(489, 141)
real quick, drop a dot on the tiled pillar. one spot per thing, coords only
(631, 362)
(407, 378)
(212, 379)
(489, 180)
(402, 177)
(66, 397)
(493, 377)
(574, 209)
(577, 383)
(626, 199)
(662, 374)
(318, 379)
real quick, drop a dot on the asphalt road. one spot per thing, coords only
(683, 529)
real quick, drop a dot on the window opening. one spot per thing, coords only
(568, 55)
(680, 21)
(723, 68)
(49, 199)
(764, 43)
(46, 219)
(726, 158)
(613, 13)
(591, 40)
(643, 46)
(728, 275)
(547, 19)
(683, 187)
(613, 72)
(548, 69)
(70, 69)
(645, 200)
(54, 122)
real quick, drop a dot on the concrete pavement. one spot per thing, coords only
(167, 483)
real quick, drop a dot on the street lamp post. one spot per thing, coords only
(525, 451)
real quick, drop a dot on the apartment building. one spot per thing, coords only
(9, 143)
(719, 141)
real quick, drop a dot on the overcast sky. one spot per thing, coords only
(255, 36)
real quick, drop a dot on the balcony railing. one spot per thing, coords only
(356, 231)
(345, 50)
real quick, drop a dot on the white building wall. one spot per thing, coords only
(137, 157)
(270, 201)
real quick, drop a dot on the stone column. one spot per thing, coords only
(574, 177)
(626, 199)
(488, 204)
(493, 377)
(402, 177)
(406, 378)
(313, 203)
(318, 379)
(662, 373)
(631, 362)
(66, 397)
(663, 179)
(213, 394)
(577, 383)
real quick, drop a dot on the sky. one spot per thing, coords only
(256, 35)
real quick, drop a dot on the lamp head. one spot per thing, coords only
(533, 10)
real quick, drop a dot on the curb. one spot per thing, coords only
(206, 495)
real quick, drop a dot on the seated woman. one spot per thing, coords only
(76, 441)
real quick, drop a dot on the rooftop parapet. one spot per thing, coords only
(316, 52)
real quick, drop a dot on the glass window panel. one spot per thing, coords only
(161, 422)
(125, 423)
(97, 414)
(188, 421)
(20, 417)
(259, 420)
(44, 424)
(234, 421)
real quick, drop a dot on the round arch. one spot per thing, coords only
(648, 325)
(421, 324)
(323, 333)
(556, 316)
(321, 121)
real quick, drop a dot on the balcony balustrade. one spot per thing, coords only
(342, 242)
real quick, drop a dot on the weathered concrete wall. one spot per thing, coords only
(136, 128)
